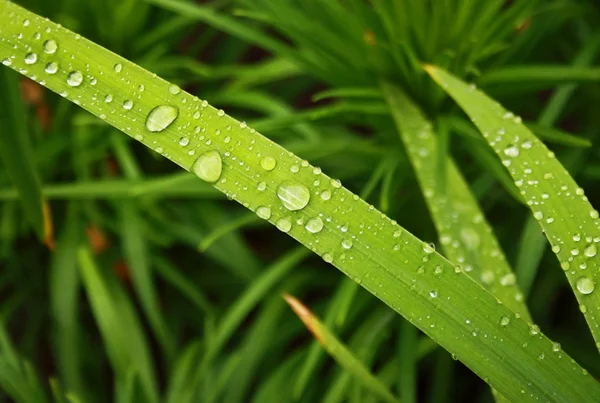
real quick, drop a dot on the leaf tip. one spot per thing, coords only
(48, 226)
(305, 315)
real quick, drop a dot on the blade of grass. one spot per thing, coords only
(570, 223)
(16, 154)
(444, 300)
(541, 75)
(344, 357)
(122, 333)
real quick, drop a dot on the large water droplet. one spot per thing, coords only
(161, 117)
(590, 250)
(74, 78)
(284, 224)
(263, 212)
(585, 285)
(293, 195)
(51, 68)
(428, 247)
(30, 58)
(50, 46)
(128, 104)
(268, 163)
(314, 225)
(208, 166)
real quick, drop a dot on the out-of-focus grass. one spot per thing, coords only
(354, 139)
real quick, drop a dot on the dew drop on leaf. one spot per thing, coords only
(504, 321)
(590, 250)
(50, 46)
(208, 166)
(74, 78)
(51, 68)
(268, 163)
(293, 195)
(284, 224)
(30, 58)
(326, 195)
(118, 67)
(328, 257)
(161, 117)
(128, 104)
(346, 244)
(511, 151)
(184, 141)
(173, 89)
(263, 212)
(428, 247)
(314, 225)
(585, 285)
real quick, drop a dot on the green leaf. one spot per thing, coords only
(121, 331)
(354, 237)
(569, 221)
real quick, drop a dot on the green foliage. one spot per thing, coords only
(160, 289)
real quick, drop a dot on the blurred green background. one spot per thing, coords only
(192, 281)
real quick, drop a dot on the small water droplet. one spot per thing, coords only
(556, 347)
(161, 117)
(208, 166)
(314, 225)
(261, 186)
(284, 224)
(336, 183)
(504, 321)
(433, 294)
(51, 68)
(293, 195)
(263, 212)
(128, 104)
(511, 151)
(75, 78)
(538, 215)
(294, 168)
(326, 195)
(6, 62)
(585, 285)
(118, 67)
(50, 46)
(221, 112)
(268, 163)
(346, 243)
(184, 141)
(590, 250)
(428, 247)
(328, 257)
(25, 22)
(30, 58)
(108, 98)
(508, 279)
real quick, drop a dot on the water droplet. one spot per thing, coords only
(284, 224)
(590, 250)
(51, 68)
(263, 212)
(504, 321)
(208, 166)
(511, 151)
(6, 62)
(30, 58)
(173, 89)
(184, 141)
(346, 244)
(428, 247)
(118, 67)
(108, 98)
(538, 215)
(556, 347)
(128, 104)
(161, 117)
(328, 257)
(433, 294)
(50, 46)
(294, 168)
(508, 279)
(293, 195)
(336, 183)
(261, 186)
(326, 195)
(268, 163)
(314, 225)
(585, 285)
(25, 22)
(221, 112)
(594, 214)
(74, 78)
